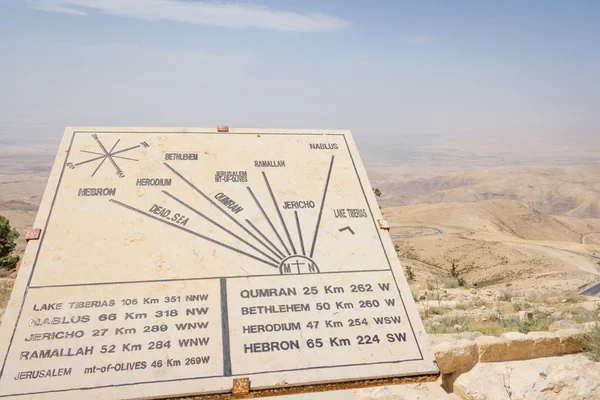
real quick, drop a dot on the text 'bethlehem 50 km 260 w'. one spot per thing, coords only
(171, 262)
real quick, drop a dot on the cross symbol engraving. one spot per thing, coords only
(297, 264)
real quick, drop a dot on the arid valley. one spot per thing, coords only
(492, 244)
(505, 219)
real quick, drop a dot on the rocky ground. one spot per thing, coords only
(496, 243)
(539, 365)
(493, 312)
(552, 378)
(520, 271)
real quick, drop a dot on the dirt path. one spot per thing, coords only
(436, 231)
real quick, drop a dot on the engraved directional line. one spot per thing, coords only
(113, 156)
(127, 149)
(221, 227)
(262, 235)
(312, 249)
(99, 165)
(300, 233)
(181, 228)
(262, 210)
(190, 184)
(287, 233)
(90, 160)
(109, 155)
(346, 228)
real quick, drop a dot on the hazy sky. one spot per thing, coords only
(381, 68)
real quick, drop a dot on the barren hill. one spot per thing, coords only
(572, 191)
(506, 217)
(499, 241)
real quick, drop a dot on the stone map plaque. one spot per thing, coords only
(172, 261)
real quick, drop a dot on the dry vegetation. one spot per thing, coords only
(592, 343)
(571, 191)
(493, 312)
(497, 242)
(6, 286)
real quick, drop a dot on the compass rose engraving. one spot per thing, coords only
(110, 155)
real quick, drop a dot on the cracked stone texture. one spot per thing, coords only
(571, 377)
(455, 356)
(419, 391)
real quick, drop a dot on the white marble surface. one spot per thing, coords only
(175, 260)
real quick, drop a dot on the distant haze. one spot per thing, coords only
(476, 76)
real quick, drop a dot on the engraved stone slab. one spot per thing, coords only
(173, 261)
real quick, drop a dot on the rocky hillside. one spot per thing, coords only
(500, 216)
(497, 242)
(572, 191)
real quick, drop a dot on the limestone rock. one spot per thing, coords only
(589, 325)
(520, 346)
(578, 379)
(590, 305)
(469, 335)
(435, 339)
(447, 304)
(525, 316)
(571, 340)
(492, 348)
(419, 391)
(455, 356)
(555, 378)
(545, 344)
(564, 324)
(486, 380)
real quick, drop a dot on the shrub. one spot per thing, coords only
(454, 274)
(453, 271)
(591, 343)
(8, 237)
(492, 323)
(506, 295)
(410, 275)
(5, 290)
(521, 306)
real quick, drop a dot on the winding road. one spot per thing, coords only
(436, 231)
(593, 290)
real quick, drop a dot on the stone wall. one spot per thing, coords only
(456, 354)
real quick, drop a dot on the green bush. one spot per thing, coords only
(410, 275)
(8, 237)
(506, 295)
(591, 343)
(454, 274)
